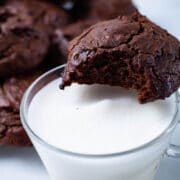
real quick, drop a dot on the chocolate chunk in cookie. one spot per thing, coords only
(130, 52)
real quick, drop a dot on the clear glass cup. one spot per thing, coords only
(136, 164)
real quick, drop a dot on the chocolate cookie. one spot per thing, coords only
(80, 10)
(11, 92)
(15, 87)
(109, 9)
(39, 14)
(75, 29)
(26, 30)
(21, 49)
(130, 52)
(11, 130)
(96, 11)
(57, 53)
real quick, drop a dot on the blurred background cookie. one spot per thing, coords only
(75, 29)
(21, 49)
(94, 11)
(110, 9)
(26, 31)
(11, 92)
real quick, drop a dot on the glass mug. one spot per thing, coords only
(136, 164)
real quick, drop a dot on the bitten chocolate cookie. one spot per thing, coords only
(26, 30)
(11, 92)
(130, 52)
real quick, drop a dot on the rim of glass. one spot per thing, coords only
(24, 120)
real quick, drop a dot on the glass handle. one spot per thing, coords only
(174, 150)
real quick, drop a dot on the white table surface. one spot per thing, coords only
(24, 163)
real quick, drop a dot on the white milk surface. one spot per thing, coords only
(96, 119)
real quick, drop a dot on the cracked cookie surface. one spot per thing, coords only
(130, 52)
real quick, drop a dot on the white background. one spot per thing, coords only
(24, 163)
